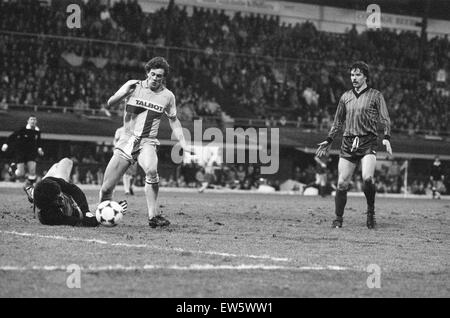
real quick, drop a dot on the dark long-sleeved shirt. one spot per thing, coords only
(26, 139)
(74, 210)
(437, 172)
(360, 113)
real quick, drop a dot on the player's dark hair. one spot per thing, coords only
(51, 216)
(158, 62)
(46, 194)
(362, 66)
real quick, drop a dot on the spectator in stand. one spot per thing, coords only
(89, 73)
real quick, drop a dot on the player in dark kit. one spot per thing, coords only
(26, 144)
(359, 109)
(60, 202)
(437, 178)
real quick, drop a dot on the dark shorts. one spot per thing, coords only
(367, 146)
(25, 156)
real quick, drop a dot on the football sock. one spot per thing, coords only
(340, 201)
(29, 190)
(322, 191)
(151, 195)
(126, 183)
(105, 196)
(369, 192)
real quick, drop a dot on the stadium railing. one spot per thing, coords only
(87, 112)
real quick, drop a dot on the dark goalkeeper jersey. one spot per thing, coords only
(26, 139)
(360, 114)
(437, 171)
(74, 210)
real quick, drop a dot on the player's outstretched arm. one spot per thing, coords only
(177, 130)
(338, 122)
(386, 122)
(10, 139)
(50, 217)
(77, 194)
(89, 220)
(125, 90)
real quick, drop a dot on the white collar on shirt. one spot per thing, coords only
(29, 127)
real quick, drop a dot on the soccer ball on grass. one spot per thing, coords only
(109, 213)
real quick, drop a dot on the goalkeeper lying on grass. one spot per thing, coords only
(60, 202)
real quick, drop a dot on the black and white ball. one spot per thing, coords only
(109, 213)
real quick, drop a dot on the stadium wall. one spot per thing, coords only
(72, 127)
(69, 134)
(297, 146)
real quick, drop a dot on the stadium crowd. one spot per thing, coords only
(253, 65)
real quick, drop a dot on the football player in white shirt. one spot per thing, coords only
(146, 102)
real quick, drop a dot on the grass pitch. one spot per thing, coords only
(230, 245)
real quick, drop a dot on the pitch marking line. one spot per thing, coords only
(192, 267)
(176, 249)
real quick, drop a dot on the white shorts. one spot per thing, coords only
(129, 147)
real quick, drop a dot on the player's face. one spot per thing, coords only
(64, 204)
(357, 77)
(155, 78)
(32, 121)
